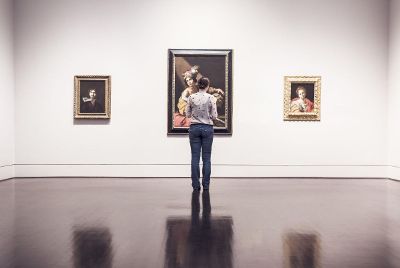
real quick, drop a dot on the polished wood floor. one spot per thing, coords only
(124, 223)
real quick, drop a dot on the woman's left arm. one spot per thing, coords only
(189, 108)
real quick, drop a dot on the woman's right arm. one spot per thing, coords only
(213, 112)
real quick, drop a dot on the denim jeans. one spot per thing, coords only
(201, 139)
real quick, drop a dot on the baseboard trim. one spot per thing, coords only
(219, 178)
(183, 171)
(6, 172)
(394, 172)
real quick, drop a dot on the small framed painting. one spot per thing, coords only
(92, 98)
(302, 98)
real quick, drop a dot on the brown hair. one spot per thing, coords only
(301, 88)
(203, 83)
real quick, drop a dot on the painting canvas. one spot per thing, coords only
(92, 97)
(302, 98)
(186, 67)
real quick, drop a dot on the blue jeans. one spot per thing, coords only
(201, 139)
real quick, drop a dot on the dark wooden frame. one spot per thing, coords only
(227, 54)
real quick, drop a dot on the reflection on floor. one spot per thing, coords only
(92, 247)
(301, 250)
(194, 242)
(288, 223)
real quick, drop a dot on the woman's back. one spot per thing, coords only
(202, 108)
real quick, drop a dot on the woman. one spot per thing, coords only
(301, 104)
(202, 110)
(190, 78)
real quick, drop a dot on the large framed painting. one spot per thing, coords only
(186, 67)
(302, 100)
(92, 98)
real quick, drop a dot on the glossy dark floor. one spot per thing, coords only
(291, 223)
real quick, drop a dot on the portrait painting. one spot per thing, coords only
(186, 67)
(92, 98)
(302, 98)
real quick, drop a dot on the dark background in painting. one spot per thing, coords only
(211, 66)
(309, 87)
(85, 85)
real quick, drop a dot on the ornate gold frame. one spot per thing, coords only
(106, 100)
(315, 115)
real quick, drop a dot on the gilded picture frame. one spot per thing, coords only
(92, 97)
(192, 64)
(302, 98)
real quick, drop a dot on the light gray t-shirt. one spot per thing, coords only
(201, 108)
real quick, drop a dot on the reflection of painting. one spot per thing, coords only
(301, 250)
(302, 98)
(92, 247)
(186, 67)
(92, 97)
(199, 242)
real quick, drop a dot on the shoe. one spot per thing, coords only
(205, 187)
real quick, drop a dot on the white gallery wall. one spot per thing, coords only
(394, 90)
(344, 42)
(6, 90)
(7, 191)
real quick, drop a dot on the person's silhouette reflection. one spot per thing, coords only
(92, 247)
(204, 241)
(200, 238)
(301, 250)
(209, 240)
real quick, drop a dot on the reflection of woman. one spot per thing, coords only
(190, 78)
(301, 104)
(200, 237)
(209, 239)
